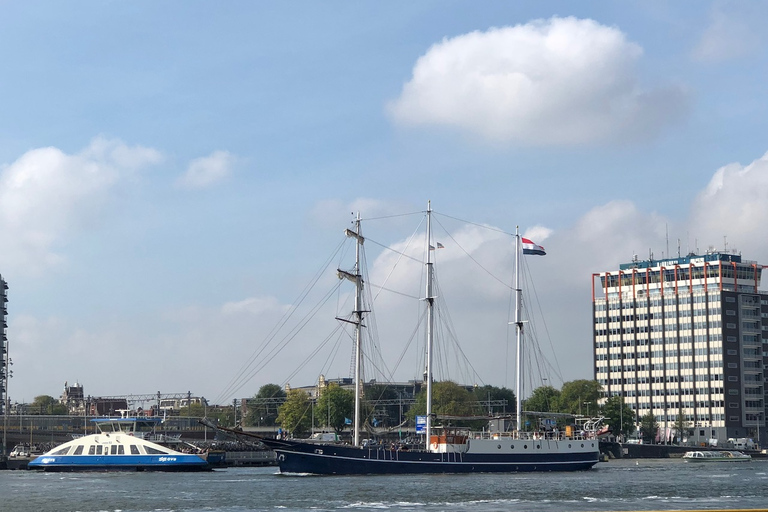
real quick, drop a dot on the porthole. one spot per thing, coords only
(538, 446)
(582, 445)
(569, 446)
(512, 446)
(498, 446)
(525, 446)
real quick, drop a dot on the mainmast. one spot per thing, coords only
(356, 278)
(519, 333)
(430, 323)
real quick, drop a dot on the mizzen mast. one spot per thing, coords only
(430, 299)
(518, 333)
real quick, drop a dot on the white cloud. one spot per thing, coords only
(731, 33)
(47, 194)
(735, 205)
(205, 171)
(548, 82)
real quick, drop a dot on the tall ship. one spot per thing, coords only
(446, 449)
(121, 444)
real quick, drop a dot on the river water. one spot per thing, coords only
(644, 484)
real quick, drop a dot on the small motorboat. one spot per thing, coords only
(121, 444)
(716, 456)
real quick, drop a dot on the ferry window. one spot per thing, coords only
(79, 450)
(98, 450)
(154, 451)
(92, 450)
(121, 450)
(62, 451)
(134, 450)
(113, 450)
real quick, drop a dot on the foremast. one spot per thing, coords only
(357, 278)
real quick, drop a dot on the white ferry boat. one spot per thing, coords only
(120, 445)
(716, 456)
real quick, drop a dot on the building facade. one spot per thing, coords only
(685, 339)
(4, 359)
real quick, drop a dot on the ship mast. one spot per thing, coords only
(430, 323)
(356, 278)
(519, 334)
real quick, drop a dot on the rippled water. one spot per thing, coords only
(617, 485)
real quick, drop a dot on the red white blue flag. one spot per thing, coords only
(531, 248)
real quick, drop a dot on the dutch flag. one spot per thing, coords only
(531, 248)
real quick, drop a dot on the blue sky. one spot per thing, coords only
(163, 164)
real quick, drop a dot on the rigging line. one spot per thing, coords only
(285, 341)
(392, 216)
(484, 226)
(544, 322)
(470, 256)
(402, 255)
(313, 354)
(283, 320)
(447, 321)
(414, 334)
(390, 249)
(393, 291)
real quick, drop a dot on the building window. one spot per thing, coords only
(733, 418)
(733, 405)
(733, 378)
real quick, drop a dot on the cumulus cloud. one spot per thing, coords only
(184, 335)
(205, 171)
(731, 33)
(47, 194)
(560, 81)
(735, 204)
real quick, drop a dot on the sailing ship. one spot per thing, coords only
(446, 450)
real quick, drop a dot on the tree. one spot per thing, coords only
(295, 414)
(619, 416)
(224, 415)
(543, 399)
(493, 393)
(263, 409)
(580, 397)
(193, 411)
(45, 404)
(448, 398)
(335, 406)
(682, 426)
(649, 427)
(381, 415)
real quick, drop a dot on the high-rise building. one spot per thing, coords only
(686, 339)
(4, 360)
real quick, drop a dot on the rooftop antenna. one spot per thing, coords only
(725, 243)
(678, 247)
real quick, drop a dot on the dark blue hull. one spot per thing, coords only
(120, 463)
(328, 459)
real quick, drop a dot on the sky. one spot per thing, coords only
(173, 174)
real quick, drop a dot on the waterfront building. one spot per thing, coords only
(5, 361)
(686, 339)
